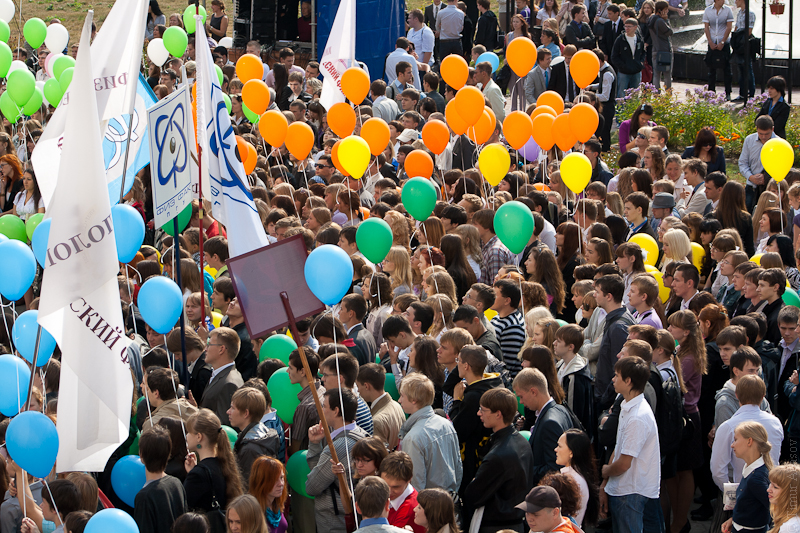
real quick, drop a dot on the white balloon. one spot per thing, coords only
(227, 42)
(40, 85)
(7, 10)
(57, 38)
(157, 52)
(48, 62)
(16, 65)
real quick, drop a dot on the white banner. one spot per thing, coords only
(339, 53)
(171, 146)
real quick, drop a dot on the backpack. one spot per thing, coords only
(671, 417)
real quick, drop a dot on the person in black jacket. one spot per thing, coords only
(163, 499)
(486, 29)
(775, 106)
(578, 32)
(506, 474)
(608, 32)
(626, 60)
(560, 79)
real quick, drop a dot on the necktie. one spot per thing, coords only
(615, 28)
(546, 78)
(570, 90)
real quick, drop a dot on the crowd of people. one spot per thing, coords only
(588, 381)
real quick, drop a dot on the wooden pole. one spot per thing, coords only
(344, 488)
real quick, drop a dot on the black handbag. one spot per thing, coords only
(715, 59)
(216, 516)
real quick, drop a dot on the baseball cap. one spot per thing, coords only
(541, 497)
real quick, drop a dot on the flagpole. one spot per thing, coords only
(176, 254)
(200, 211)
(33, 366)
(127, 149)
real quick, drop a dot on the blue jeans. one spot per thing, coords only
(634, 513)
(627, 81)
(750, 197)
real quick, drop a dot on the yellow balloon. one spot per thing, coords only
(648, 245)
(756, 259)
(490, 314)
(576, 171)
(651, 269)
(777, 157)
(216, 319)
(663, 292)
(212, 271)
(354, 155)
(494, 162)
(698, 254)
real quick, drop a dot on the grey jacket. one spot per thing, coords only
(258, 440)
(727, 404)
(432, 443)
(660, 34)
(323, 485)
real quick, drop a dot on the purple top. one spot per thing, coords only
(625, 133)
(649, 318)
(692, 379)
(282, 526)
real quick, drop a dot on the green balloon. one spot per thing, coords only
(297, 472)
(66, 78)
(9, 109)
(561, 322)
(277, 347)
(34, 104)
(790, 297)
(390, 386)
(284, 394)
(5, 31)
(520, 407)
(13, 227)
(419, 198)
(188, 18)
(183, 220)
(175, 41)
(374, 238)
(6, 57)
(526, 434)
(33, 221)
(61, 64)
(252, 117)
(231, 433)
(35, 32)
(220, 75)
(52, 91)
(513, 224)
(227, 102)
(21, 86)
(134, 449)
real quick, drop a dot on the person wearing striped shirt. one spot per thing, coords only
(509, 324)
(348, 372)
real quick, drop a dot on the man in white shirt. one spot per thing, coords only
(750, 160)
(492, 93)
(401, 54)
(449, 25)
(631, 486)
(718, 21)
(422, 37)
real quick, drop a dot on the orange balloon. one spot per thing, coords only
(454, 120)
(543, 131)
(342, 119)
(455, 71)
(299, 139)
(517, 128)
(355, 84)
(255, 94)
(539, 109)
(552, 99)
(584, 68)
(273, 126)
(541, 187)
(562, 133)
(583, 120)
(492, 117)
(483, 129)
(435, 135)
(376, 132)
(419, 164)
(252, 159)
(521, 56)
(249, 67)
(335, 158)
(469, 104)
(241, 145)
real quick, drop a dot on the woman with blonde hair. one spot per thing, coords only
(438, 282)
(532, 317)
(244, 515)
(751, 512)
(784, 506)
(677, 248)
(472, 246)
(269, 487)
(443, 308)
(614, 200)
(767, 200)
(544, 331)
(318, 217)
(400, 231)
(397, 265)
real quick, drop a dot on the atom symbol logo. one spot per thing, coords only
(170, 130)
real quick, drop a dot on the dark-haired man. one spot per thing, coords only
(509, 324)
(162, 499)
(608, 293)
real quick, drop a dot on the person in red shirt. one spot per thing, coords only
(210, 225)
(397, 470)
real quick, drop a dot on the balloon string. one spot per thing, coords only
(133, 318)
(175, 390)
(433, 271)
(53, 500)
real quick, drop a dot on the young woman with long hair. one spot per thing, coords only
(782, 245)
(423, 358)
(767, 200)
(397, 265)
(769, 224)
(568, 243)
(443, 307)
(244, 515)
(268, 485)
(598, 252)
(472, 246)
(440, 283)
(751, 445)
(784, 506)
(544, 332)
(543, 269)
(192, 306)
(211, 469)
(10, 181)
(732, 213)
(575, 455)
(653, 159)
(630, 261)
(436, 512)
(692, 355)
(457, 264)
(541, 358)
(29, 200)
(377, 290)
(431, 232)
(706, 150)
(677, 248)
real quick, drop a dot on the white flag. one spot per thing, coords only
(229, 191)
(80, 303)
(116, 53)
(339, 53)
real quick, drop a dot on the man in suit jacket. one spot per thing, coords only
(223, 346)
(537, 79)
(578, 32)
(607, 33)
(560, 79)
(552, 420)
(351, 313)
(246, 359)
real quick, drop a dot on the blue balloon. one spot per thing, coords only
(14, 379)
(24, 335)
(32, 441)
(19, 269)
(114, 520)
(161, 303)
(491, 57)
(329, 273)
(39, 241)
(128, 231)
(128, 478)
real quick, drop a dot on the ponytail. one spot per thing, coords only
(207, 423)
(755, 431)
